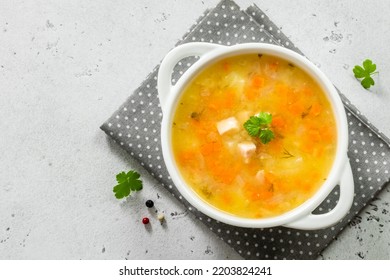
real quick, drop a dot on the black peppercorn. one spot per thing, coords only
(149, 203)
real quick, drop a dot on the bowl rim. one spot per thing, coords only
(303, 63)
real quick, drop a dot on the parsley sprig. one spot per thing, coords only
(365, 73)
(259, 126)
(127, 183)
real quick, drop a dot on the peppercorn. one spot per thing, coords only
(161, 217)
(149, 203)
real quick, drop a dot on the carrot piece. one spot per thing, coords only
(220, 171)
(257, 81)
(328, 134)
(182, 157)
(252, 88)
(314, 135)
(210, 148)
(226, 176)
(229, 99)
(224, 101)
(282, 89)
(315, 109)
(296, 108)
(286, 94)
(259, 194)
(318, 152)
(185, 156)
(308, 147)
(251, 93)
(307, 91)
(278, 122)
(261, 191)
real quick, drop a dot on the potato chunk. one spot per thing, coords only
(227, 125)
(247, 150)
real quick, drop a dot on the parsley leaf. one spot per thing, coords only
(127, 182)
(258, 126)
(367, 82)
(253, 126)
(365, 73)
(266, 135)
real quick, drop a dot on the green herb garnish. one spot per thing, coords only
(365, 73)
(305, 113)
(196, 115)
(287, 154)
(259, 126)
(127, 182)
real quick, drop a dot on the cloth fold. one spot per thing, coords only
(135, 126)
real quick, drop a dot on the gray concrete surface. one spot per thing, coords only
(66, 66)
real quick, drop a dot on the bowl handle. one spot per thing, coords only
(319, 221)
(164, 80)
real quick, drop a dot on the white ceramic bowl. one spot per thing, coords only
(300, 217)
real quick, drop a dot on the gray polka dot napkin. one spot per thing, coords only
(135, 126)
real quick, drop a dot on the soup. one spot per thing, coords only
(242, 174)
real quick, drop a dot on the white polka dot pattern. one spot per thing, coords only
(136, 127)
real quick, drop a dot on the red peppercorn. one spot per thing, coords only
(145, 221)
